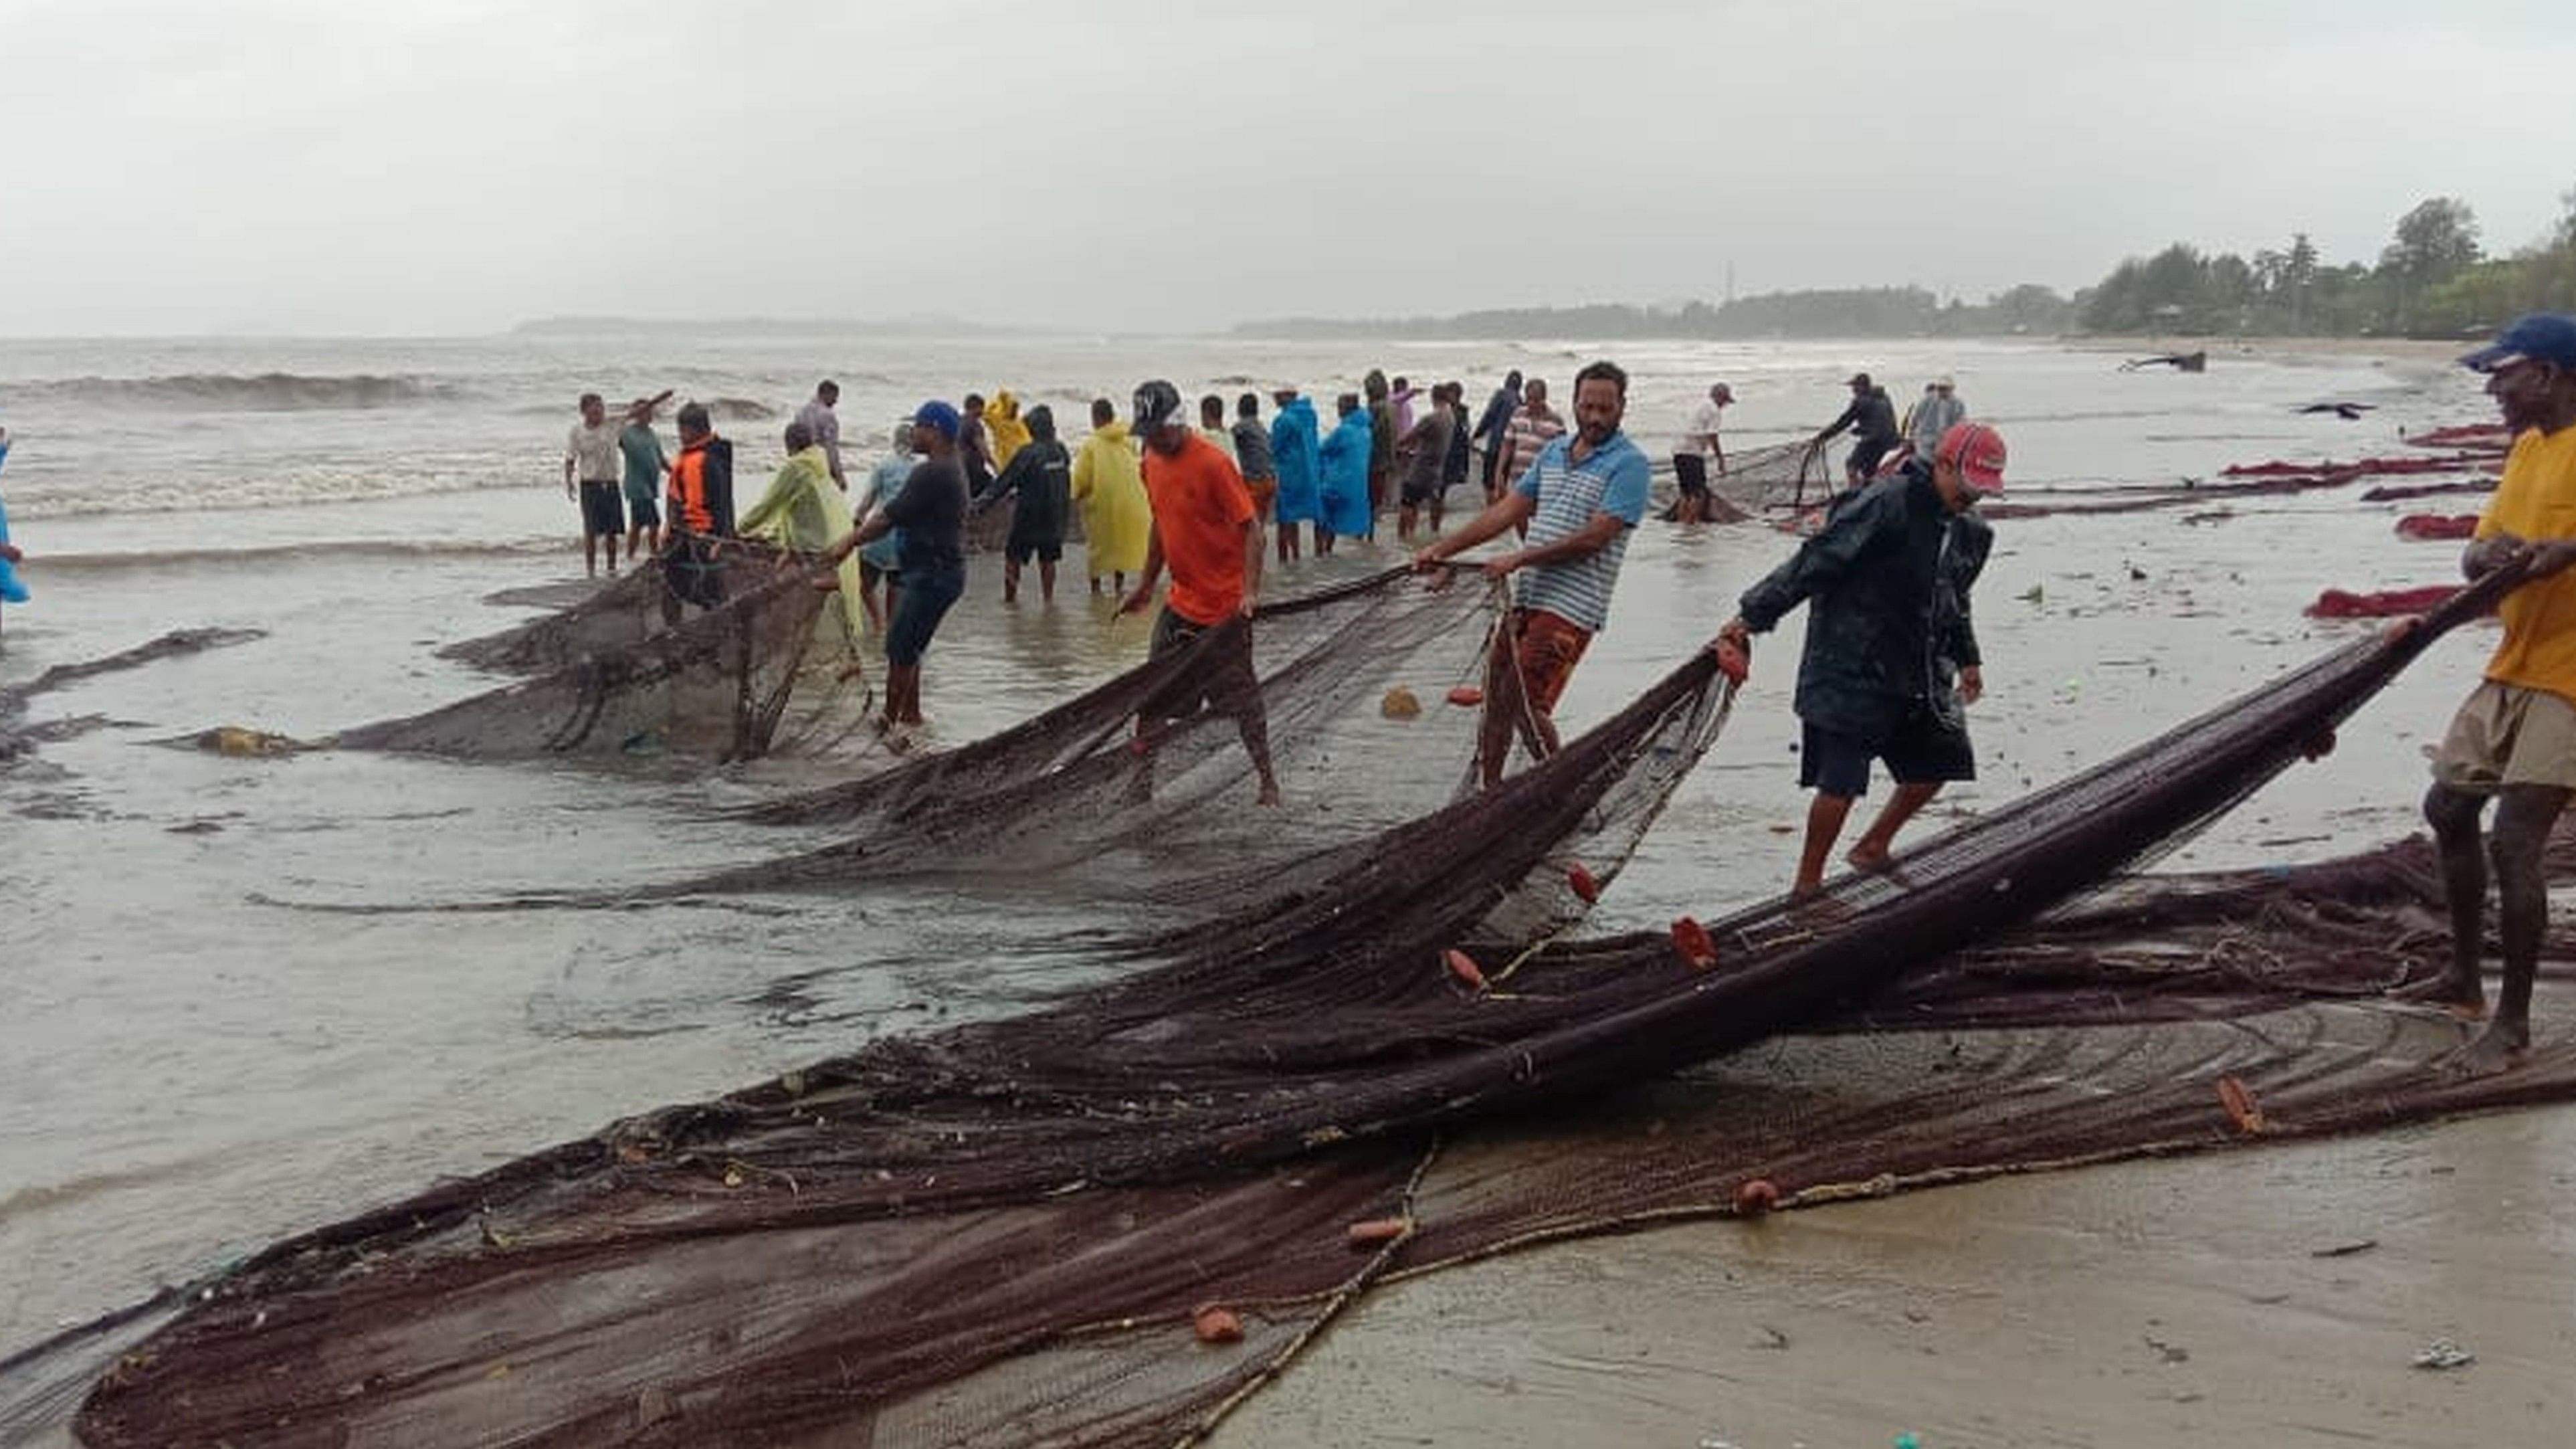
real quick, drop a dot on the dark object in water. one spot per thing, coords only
(2178, 361)
(2348, 411)
(2438, 525)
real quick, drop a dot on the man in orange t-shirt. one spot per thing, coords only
(1206, 528)
(2514, 740)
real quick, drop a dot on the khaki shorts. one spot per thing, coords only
(2504, 735)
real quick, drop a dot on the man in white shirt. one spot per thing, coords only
(1692, 453)
(591, 453)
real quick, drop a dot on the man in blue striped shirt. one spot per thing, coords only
(1579, 499)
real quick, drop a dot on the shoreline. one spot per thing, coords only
(2386, 349)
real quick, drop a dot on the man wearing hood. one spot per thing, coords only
(1296, 451)
(1009, 431)
(1040, 474)
(803, 512)
(1344, 475)
(1891, 655)
(1110, 486)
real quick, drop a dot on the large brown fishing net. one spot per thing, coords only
(999, 1233)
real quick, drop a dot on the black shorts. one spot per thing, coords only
(1865, 458)
(1691, 471)
(917, 612)
(1921, 751)
(1021, 550)
(603, 508)
(1419, 491)
(641, 509)
(691, 572)
(1223, 677)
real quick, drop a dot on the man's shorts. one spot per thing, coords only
(1545, 648)
(1419, 491)
(917, 611)
(1919, 751)
(2506, 734)
(691, 573)
(1265, 496)
(1222, 678)
(603, 508)
(642, 510)
(1021, 550)
(1690, 470)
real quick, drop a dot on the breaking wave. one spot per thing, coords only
(254, 392)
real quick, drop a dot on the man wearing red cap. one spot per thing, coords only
(2514, 740)
(1891, 656)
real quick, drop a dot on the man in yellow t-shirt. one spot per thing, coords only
(2514, 740)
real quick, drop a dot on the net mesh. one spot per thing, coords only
(999, 1232)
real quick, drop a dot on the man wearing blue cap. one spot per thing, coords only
(2514, 740)
(931, 510)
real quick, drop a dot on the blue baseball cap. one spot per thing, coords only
(939, 417)
(2538, 336)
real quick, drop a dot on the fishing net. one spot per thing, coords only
(1774, 480)
(1105, 1221)
(635, 674)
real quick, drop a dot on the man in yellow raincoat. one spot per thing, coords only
(1109, 485)
(804, 512)
(1010, 431)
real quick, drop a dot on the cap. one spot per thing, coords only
(1943, 381)
(1977, 451)
(1722, 393)
(1858, 379)
(939, 417)
(1157, 402)
(2537, 337)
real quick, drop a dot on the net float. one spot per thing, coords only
(1464, 967)
(1216, 1323)
(1755, 1196)
(1692, 940)
(1732, 661)
(1466, 696)
(1377, 1232)
(2239, 1102)
(1582, 883)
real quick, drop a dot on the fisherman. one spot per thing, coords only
(1937, 412)
(1040, 473)
(1579, 499)
(1382, 439)
(1206, 529)
(1116, 520)
(1872, 421)
(824, 426)
(2514, 740)
(1212, 424)
(699, 516)
(1697, 447)
(1004, 428)
(1496, 420)
(975, 444)
(1342, 475)
(646, 463)
(11, 590)
(881, 561)
(1296, 448)
(1423, 454)
(803, 512)
(1462, 451)
(1891, 654)
(1252, 457)
(1533, 425)
(930, 508)
(591, 451)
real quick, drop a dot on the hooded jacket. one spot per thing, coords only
(1041, 473)
(1888, 626)
(1109, 483)
(1345, 476)
(1009, 431)
(1294, 452)
(702, 487)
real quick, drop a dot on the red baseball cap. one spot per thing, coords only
(1977, 451)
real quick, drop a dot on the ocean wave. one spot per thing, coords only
(389, 548)
(251, 392)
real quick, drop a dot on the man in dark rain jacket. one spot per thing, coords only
(1891, 654)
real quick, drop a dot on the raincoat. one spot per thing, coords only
(1293, 451)
(11, 590)
(1039, 475)
(1110, 485)
(1002, 420)
(804, 513)
(1344, 477)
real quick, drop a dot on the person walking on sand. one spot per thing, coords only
(1580, 499)
(1110, 486)
(823, 424)
(1207, 531)
(646, 464)
(590, 453)
(2514, 740)
(1891, 655)
(1695, 450)
(931, 510)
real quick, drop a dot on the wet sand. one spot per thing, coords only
(2272, 1295)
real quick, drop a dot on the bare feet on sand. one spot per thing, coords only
(2465, 999)
(2499, 1048)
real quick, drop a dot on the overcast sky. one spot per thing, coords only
(1142, 165)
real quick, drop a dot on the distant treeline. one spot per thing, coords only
(2431, 280)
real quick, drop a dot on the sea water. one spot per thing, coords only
(230, 1011)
